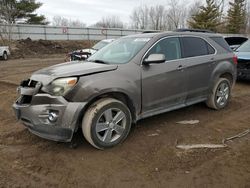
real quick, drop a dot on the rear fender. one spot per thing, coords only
(222, 68)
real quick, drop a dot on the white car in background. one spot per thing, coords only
(85, 53)
(4, 52)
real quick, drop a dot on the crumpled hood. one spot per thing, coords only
(74, 68)
(243, 55)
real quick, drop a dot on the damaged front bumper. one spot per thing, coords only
(50, 117)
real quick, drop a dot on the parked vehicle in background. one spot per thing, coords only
(235, 42)
(4, 52)
(243, 54)
(132, 78)
(80, 55)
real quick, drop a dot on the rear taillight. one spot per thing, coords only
(235, 60)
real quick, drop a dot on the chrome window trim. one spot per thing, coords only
(183, 58)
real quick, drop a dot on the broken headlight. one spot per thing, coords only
(61, 86)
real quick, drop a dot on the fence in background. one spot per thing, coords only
(36, 32)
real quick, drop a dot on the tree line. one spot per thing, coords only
(231, 16)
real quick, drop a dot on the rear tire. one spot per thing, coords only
(5, 56)
(106, 123)
(220, 95)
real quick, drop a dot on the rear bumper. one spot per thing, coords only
(35, 116)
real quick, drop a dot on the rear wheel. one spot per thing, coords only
(106, 123)
(5, 56)
(220, 95)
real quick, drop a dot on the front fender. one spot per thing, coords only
(127, 82)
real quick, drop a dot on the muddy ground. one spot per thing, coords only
(38, 48)
(148, 158)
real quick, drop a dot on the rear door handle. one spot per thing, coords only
(180, 67)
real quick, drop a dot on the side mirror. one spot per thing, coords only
(155, 59)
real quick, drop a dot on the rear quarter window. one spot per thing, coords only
(222, 42)
(195, 46)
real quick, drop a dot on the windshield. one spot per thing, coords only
(120, 51)
(99, 45)
(245, 47)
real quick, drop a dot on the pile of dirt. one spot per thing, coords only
(30, 48)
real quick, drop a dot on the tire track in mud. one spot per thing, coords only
(18, 73)
(20, 175)
(7, 97)
(26, 66)
(6, 83)
(197, 177)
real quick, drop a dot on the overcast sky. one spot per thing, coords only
(91, 11)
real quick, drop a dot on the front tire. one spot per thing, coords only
(220, 95)
(106, 123)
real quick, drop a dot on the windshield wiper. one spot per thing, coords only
(98, 61)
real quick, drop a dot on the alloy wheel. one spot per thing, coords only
(111, 125)
(222, 94)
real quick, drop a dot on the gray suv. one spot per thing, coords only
(134, 77)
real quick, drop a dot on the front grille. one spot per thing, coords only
(243, 64)
(27, 94)
(28, 83)
(24, 99)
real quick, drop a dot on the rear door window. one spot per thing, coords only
(194, 46)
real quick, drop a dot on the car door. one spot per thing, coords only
(199, 62)
(164, 85)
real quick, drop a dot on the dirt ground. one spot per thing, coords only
(39, 48)
(148, 158)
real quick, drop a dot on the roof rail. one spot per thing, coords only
(151, 31)
(194, 30)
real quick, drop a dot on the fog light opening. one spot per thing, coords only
(53, 116)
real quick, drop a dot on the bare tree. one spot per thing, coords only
(174, 15)
(76, 23)
(140, 18)
(177, 15)
(110, 22)
(7, 13)
(1, 35)
(157, 16)
(64, 22)
(248, 18)
(193, 9)
(222, 5)
(59, 21)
